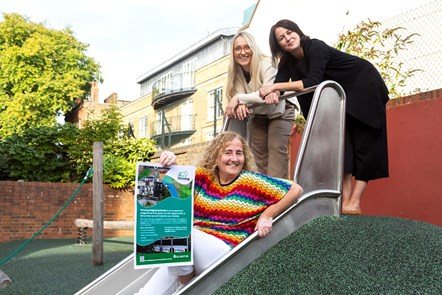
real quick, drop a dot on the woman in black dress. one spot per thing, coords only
(304, 62)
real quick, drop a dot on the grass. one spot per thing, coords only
(330, 255)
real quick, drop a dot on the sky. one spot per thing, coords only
(130, 37)
(325, 19)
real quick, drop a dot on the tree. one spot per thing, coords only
(120, 151)
(107, 128)
(42, 72)
(381, 47)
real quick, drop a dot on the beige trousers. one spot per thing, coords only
(269, 139)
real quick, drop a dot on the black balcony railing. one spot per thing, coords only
(172, 89)
(171, 130)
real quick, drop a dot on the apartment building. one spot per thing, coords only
(182, 99)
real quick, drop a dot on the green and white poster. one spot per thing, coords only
(163, 215)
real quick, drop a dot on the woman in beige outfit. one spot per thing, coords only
(272, 123)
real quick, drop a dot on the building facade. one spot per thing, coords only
(182, 99)
(91, 108)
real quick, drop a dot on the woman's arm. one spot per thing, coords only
(237, 107)
(318, 55)
(267, 74)
(264, 91)
(265, 221)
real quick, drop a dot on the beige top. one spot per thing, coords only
(249, 95)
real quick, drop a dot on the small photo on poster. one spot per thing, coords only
(163, 215)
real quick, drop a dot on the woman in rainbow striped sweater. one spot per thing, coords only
(231, 201)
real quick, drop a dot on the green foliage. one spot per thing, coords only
(64, 152)
(120, 153)
(106, 129)
(381, 47)
(299, 123)
(39, 154)
(121, 159)
(134, 149)
(118, 171)
(42, 73)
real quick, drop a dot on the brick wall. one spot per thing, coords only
(414, 150)
(25, 207)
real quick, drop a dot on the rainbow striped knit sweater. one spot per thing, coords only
(230, 212)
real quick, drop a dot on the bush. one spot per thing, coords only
(381, 47)
(64, 153)
(37, 155)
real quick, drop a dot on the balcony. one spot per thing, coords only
(171, 130)
(172, 89)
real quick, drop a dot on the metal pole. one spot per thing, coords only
(97, 239)
(214, 114)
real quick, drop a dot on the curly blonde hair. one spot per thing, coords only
(215, 148)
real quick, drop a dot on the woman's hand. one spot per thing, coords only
(231, 107)
(266, 90)
(264, 226)
(265, 221)
(242, 111)
(236, 110)
(167, 158)
(272, 98)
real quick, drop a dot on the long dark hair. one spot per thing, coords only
(279, 55)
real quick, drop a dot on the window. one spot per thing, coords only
(214, 105)
(188, 70)
(142, 130)
(144, 89)
(166, 83)
(162, 85)
(186, 115)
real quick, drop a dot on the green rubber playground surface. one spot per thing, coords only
(349, 255)
(58, 266)
(330, 255)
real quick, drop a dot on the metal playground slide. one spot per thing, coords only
(319, 170)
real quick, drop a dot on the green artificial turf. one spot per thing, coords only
(349, 255)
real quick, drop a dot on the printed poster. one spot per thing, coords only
(163, 215)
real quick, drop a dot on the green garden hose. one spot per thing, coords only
(88, 174)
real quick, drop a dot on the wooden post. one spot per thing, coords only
(97, 239)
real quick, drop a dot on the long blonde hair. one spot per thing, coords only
(215, 148)
(234, 69)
